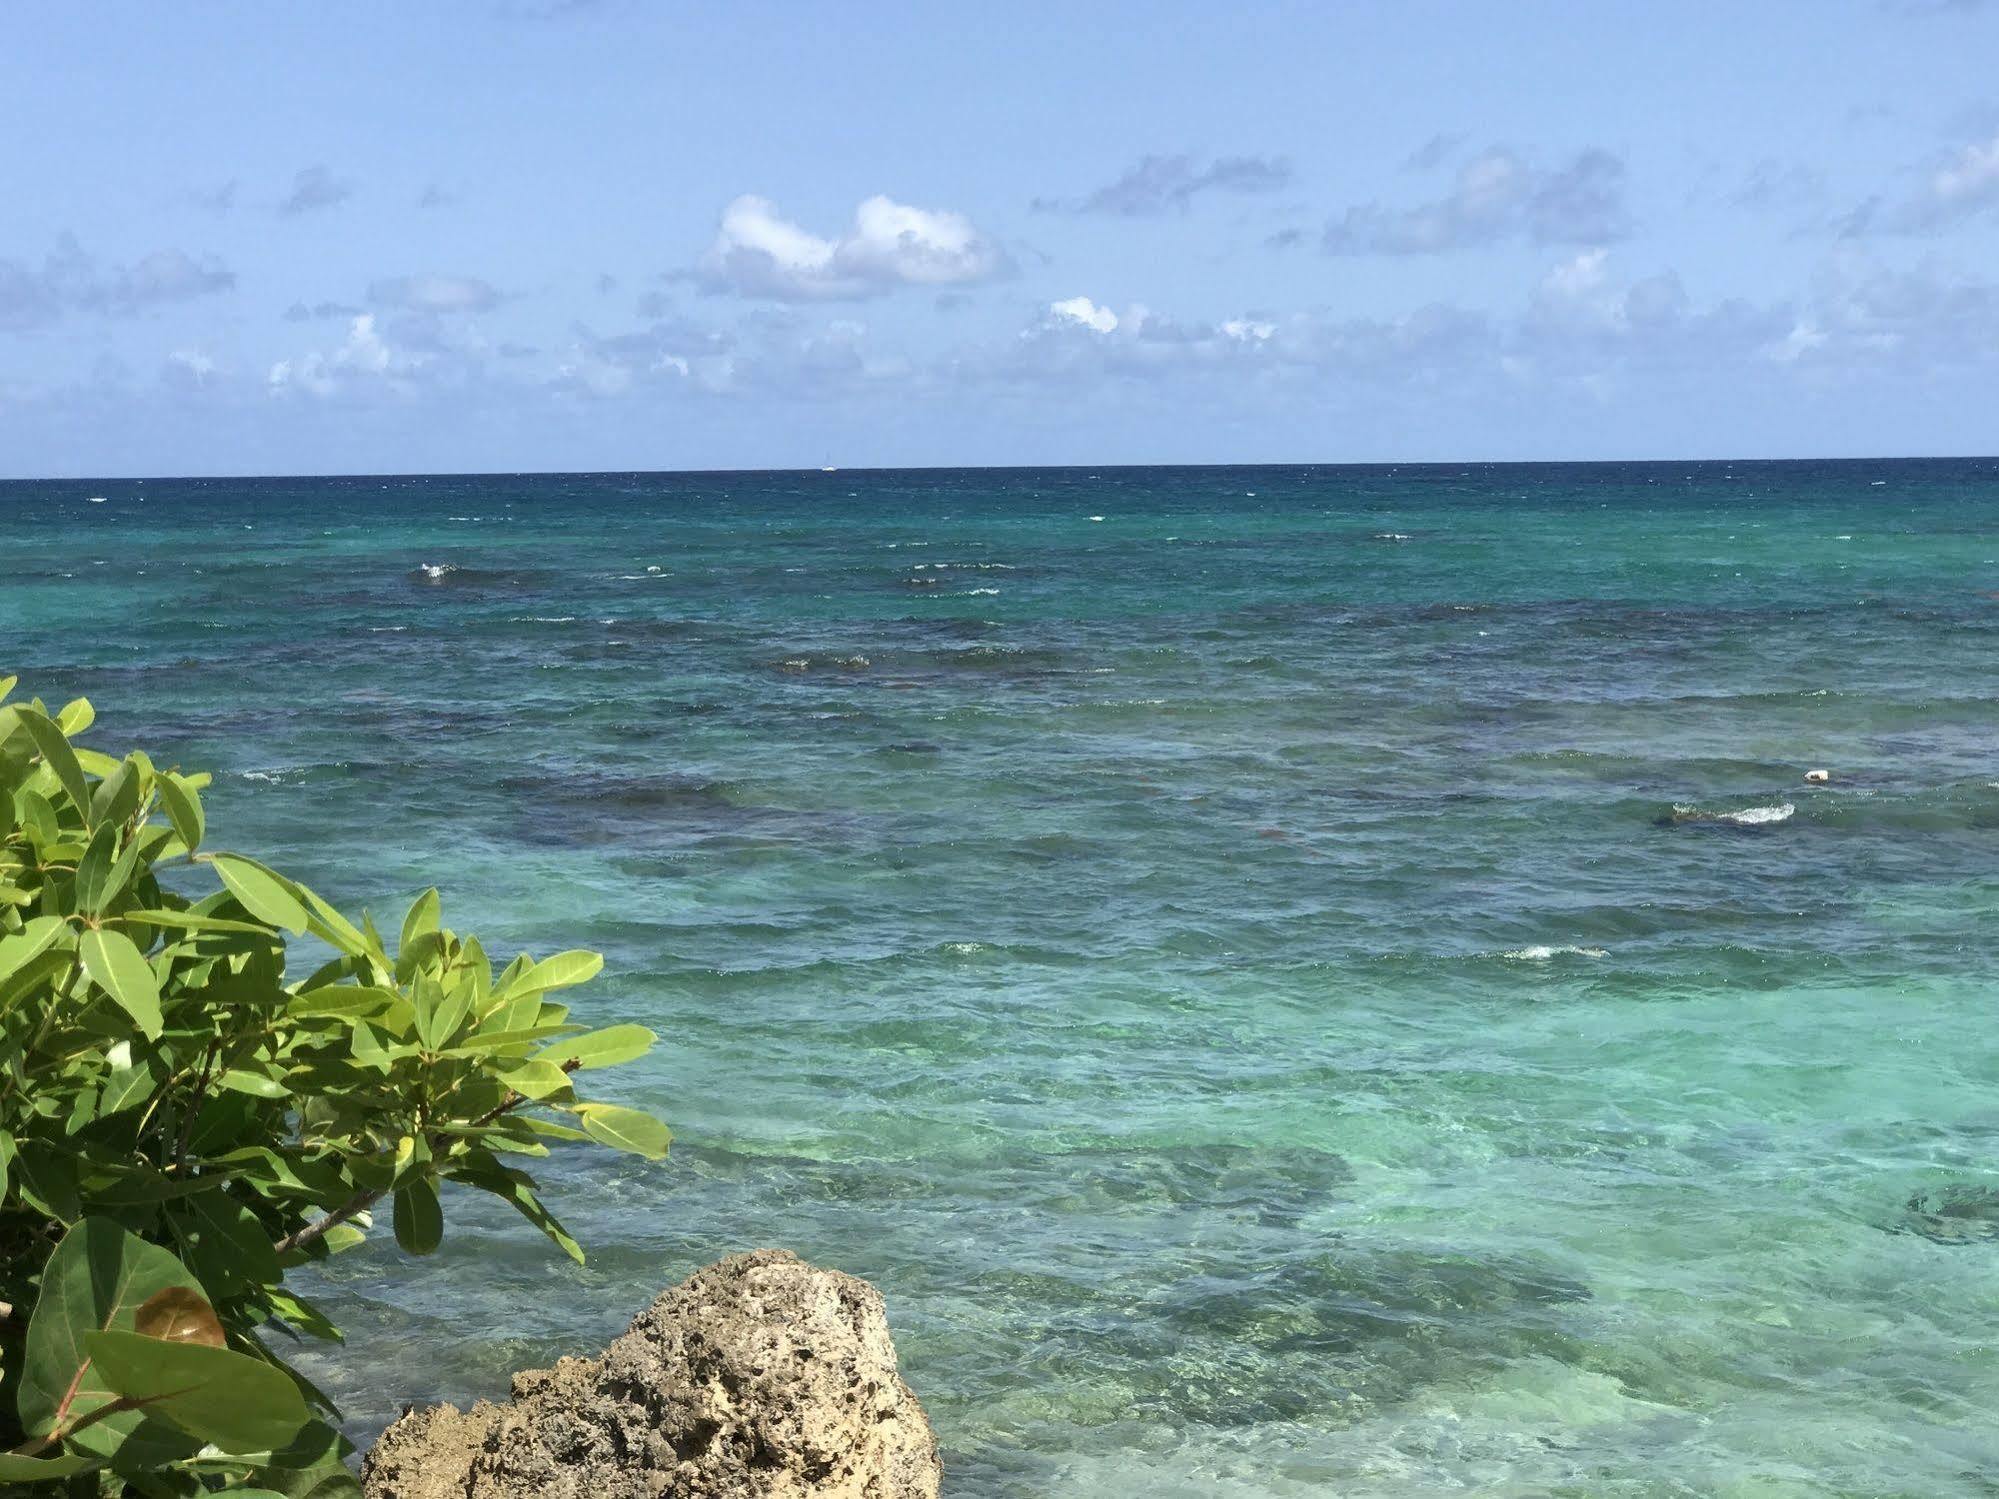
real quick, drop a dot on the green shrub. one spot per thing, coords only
(182, 1120)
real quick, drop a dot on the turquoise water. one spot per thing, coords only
(1213, 945)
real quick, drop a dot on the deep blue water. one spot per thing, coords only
(1216, 946)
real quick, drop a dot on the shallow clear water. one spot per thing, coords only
(1212, 945)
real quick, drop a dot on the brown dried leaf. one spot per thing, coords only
(178, 1315)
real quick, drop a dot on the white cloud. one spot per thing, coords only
(365, 355)
(1967, 182)
(759, 253)
(1956, 188)
(1083, 310)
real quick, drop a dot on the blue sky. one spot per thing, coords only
(556, 234)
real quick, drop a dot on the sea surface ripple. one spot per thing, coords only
(1292, 980)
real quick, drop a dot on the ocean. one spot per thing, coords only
(1292, 980)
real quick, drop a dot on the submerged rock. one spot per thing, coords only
(1956, 1213)
(760, 1377)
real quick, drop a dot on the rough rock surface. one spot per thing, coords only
(760, 1377)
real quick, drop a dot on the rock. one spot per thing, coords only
(760, 1377)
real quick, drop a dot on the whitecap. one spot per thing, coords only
(1392, 536)
(975, 592)
(1748, 817)
(1540, 953)
(97, 499)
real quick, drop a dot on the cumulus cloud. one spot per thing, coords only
(1082, 310)
(70, 280)
(1964, 185)
(1497, 196)
(363, 358)
(315, 188)
(1159, 184)
(434, 294)
(759, 253)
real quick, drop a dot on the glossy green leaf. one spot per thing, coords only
(37, 815)
(534, 1078)
(121, 970)
(557, 972)
(183, 808)
(216, 1395)
(605, 1048)
(34, 939)
(625, 1129)
(97, 1278)
(76, 716)
(262, 893)
(421, 920)
(58, 756)
(14, 1468)
(419, 1218)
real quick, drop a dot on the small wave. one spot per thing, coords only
(1748, 817)
(1541, 954)
(1393, 536)
(434, 572)
(972, 593)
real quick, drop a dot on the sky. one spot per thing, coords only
(506, 235)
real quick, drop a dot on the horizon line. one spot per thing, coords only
(959, 468)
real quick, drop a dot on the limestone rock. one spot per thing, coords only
(760, 1377)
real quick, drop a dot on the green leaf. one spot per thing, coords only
(15, 1468)
(38, 815)
(236, 1402)
(557, 972)
(241, 1080)
(104, 870)
(183, 809)
(262, 893)
(625, 1129)
(128, 1086)
(117, 795)
(186, 921)
(95, 1281)
(45, 1176)
(224, 1244)
(34, 939)
(535, 1078)
(121, 970)
(605, 1048)
(419, 1217)
(76, 716)
(336, 930)
(439, 1014)
(58, 756)
(421, 920)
